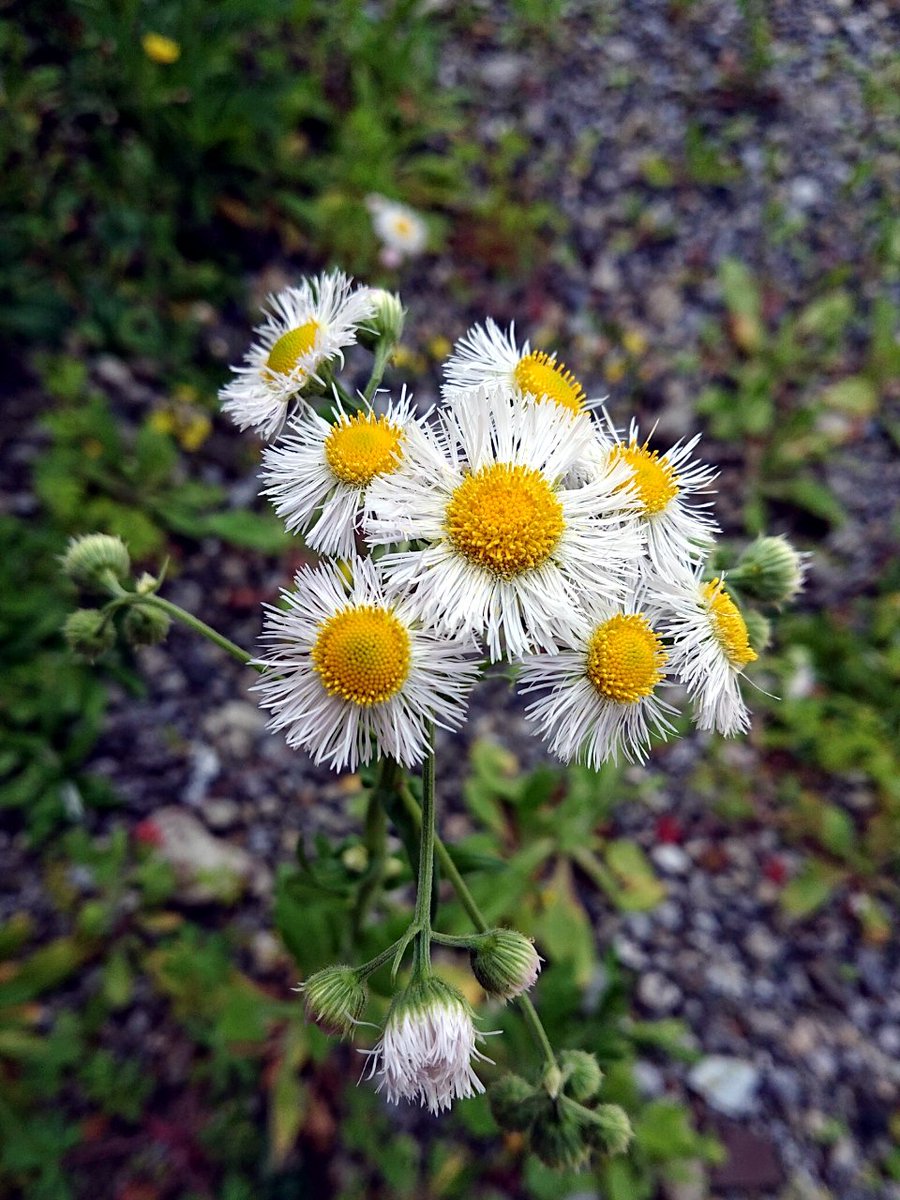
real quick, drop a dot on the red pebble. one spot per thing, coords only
(669, 830)
(775, 870)
(148, 833)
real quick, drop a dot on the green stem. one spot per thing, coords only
(425, 877)
(379, 960)
(348, 401)
(375, 838)
(467, 900)
(198, 626)
(382, 354)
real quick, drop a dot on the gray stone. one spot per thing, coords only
(657, 992)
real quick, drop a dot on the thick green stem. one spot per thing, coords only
(467, 900)
(425, 878)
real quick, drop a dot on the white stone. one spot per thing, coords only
(671, 859)
(727, 1084)
(207, 868)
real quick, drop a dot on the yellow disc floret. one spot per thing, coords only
(505, 518)
(546, 379)
(728, 625)
(653, 478)
(362, 655)
(291, 347)
(625, 658)
(359, 448)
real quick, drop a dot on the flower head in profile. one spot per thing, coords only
(318, 474)
(711, 647)
(679, 530)
(599, 696)
(428, 1047)
(506, 545)
(400, 229)
(305, 328)
(487, 355)
(351, 674)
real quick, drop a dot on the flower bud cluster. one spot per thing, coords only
(563, 1126)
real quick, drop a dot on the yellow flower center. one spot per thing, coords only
(625, 658)
(291, 347)
(362, 654)
(653, 478)
(505, 518)
(728, 625)
(403, 226)
(359, 448)
(546, 379)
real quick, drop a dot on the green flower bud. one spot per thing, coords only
(759, 629)
(505, 963)
(87, 633)
(89, 558)
(387, 321)
(581, 1074)
(770, 570)
(144, 626)
(335, 999)
(514, 1102)
(608, 1128)
(558, 1138)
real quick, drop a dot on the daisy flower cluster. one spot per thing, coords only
(512, 528)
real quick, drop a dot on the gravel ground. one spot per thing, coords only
(811, 1016)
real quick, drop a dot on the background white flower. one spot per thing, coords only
(306, 327)
(400, 229)
(351, 673)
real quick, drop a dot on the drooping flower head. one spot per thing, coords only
(318, 474)
(351, 673)
(400, 229)
(505, 543)
(505, 963)
(428, 1047)
(599, 696)
(487, 355)
(711, 648)
(305, 328)
(679, 531)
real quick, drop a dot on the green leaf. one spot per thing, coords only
(637, 887)
(809, 890)
(255, 531)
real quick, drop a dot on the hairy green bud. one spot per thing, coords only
(514, 1102)
(608, 1128)
(335, 999)
(145, 626)
(505, 963)
(387, 321)
(88, 634)
(770, 570)
(759, 629)
(581, 1074)
(88, 559)
(558, 1138)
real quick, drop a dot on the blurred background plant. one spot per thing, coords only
(163, 167)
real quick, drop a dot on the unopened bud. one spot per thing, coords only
(145, 626)
(514, 1103)
(386, 321)
(558, 1138)
(581, 1073)
(335, 999)
(608, 1128)
(89, 558)
(505, 963)
(88, 634)
(759, 629)
(770, 569)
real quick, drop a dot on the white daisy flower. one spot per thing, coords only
(401, 231)
(428, 1047)
(506, 545)
(710, 649)
(306, 327)
(487, 355)
(318, 474)
(679, 532)
(598, 696)
(351, 674)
